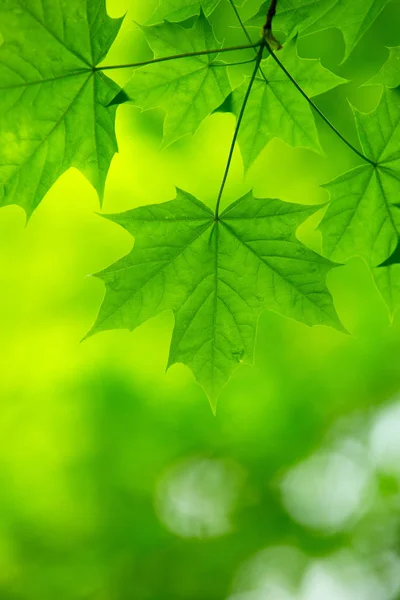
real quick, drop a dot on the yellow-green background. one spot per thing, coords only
(88, 430)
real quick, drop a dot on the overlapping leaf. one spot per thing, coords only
(363, 217)
(276, 108)
(179, 10)
(188, 89)
(353, 17)
(53, 106)
(216, 276)
(389, 75)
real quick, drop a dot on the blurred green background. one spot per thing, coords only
(116, 481)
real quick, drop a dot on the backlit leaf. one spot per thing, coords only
(53, 105)
(216, 277)
(188, 89)
(389, 75)
(179, 10)
(276, 108)
(353, 18)
(363, 218)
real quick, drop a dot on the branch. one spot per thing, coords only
(267, 29)
(270, 15)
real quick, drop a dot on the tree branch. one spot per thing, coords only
(270, 15)
(267, 29)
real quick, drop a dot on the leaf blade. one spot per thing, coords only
(363, 218)
(53, 106)
(309, 16)
(216, 279)
(190, 89)
(276, 109)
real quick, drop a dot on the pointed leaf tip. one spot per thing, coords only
(120, 98)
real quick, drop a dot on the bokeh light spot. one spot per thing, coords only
(326, 491)
(196, 498)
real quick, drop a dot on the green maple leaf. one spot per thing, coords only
(353, 17)
(53, 106)
(189, 89)
(363, 218)
(178, 10)
(389, 75)
(216, 276)
(276, 108)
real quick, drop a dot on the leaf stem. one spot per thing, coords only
(235, 64)
(317, 110)
(239, 18)
(237, 128)
(178, 56)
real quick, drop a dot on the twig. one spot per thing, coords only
(267, 29)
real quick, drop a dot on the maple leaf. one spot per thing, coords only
(308, 16)
(389, 75)
(179, 10)
(276, 108)
(188, 90)
(363, 218)
(216, 276)
(53, 105)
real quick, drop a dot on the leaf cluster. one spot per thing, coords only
(216, 271)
